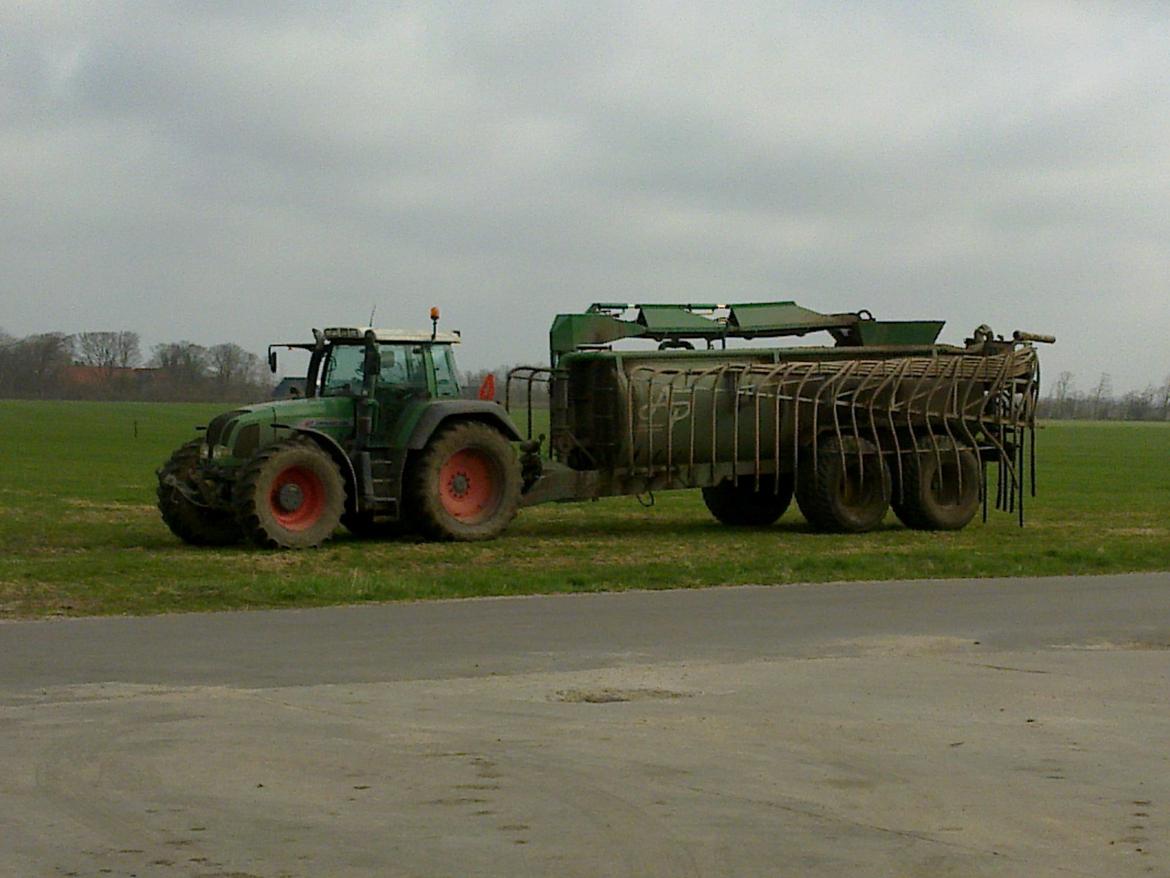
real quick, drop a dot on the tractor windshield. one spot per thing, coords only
(343, 373)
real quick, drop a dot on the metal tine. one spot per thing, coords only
(630, 416)
(808, 371)
(528, 402)
(962, 415)
(650, 425)
(892, 380)
(775, 379)
(952, 392)
(906, 385)
(735, 377)
(785, 378)
(758, 474)
(1022, 438)
(870, 402)
(857, 367)
(716, 376)
(995, 399)
(1029, 414)
(693, 419)
(670, 429)
(694, 376)
(868, 369)
(936, 384)
(823, 390)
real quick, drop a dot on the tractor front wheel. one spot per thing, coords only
(290, 495)
(466, 484)
(744, 505)
(848, 488)
(190, 521)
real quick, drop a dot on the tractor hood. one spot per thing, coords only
(234, 436)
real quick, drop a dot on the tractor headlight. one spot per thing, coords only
(219, 452)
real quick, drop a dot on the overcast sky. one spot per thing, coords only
(242, 171)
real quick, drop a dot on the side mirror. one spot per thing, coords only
(272, 360)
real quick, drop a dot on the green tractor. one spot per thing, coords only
(381, 441)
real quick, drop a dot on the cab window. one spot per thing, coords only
(446, 382)
(403, 365)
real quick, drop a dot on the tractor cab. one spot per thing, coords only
(355, 362)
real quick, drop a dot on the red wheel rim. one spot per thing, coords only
(297, 498)
(468, 485)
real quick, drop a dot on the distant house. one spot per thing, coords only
(289, 388)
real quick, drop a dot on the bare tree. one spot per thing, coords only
(127, 349)
(40, 363)
(108, 350)
(227, 362)
(1138, 405)
(109, 353)
(1060, 394)
(1164, 399)
(1102, 395)
(236, 372)
(183, 368)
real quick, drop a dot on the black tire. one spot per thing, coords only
(290, 495)
(190, 522)
(848, 491)
(743, 506)
(940, 490)
(466, 484)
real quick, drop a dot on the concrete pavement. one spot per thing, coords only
(994, 727)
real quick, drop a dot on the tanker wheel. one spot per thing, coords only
(190, 522)
(743, 506)
(848, 491)
(290, 495)
(940, 491)
(466, 484)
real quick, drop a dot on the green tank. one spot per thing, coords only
(886, 416)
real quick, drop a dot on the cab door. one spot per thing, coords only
(403, 381)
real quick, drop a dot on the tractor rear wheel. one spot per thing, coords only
(290, 495)
(466, 484)
(743, 506)
(848, 491)
(191, 522)
(940, 489)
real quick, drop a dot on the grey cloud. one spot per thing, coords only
(242, 170)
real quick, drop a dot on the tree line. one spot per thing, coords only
(1065, 401)
(111, 365)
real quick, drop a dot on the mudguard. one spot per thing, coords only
(441, 411)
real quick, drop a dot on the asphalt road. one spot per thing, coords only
(993, 727)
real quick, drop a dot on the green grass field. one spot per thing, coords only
(79, 532)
